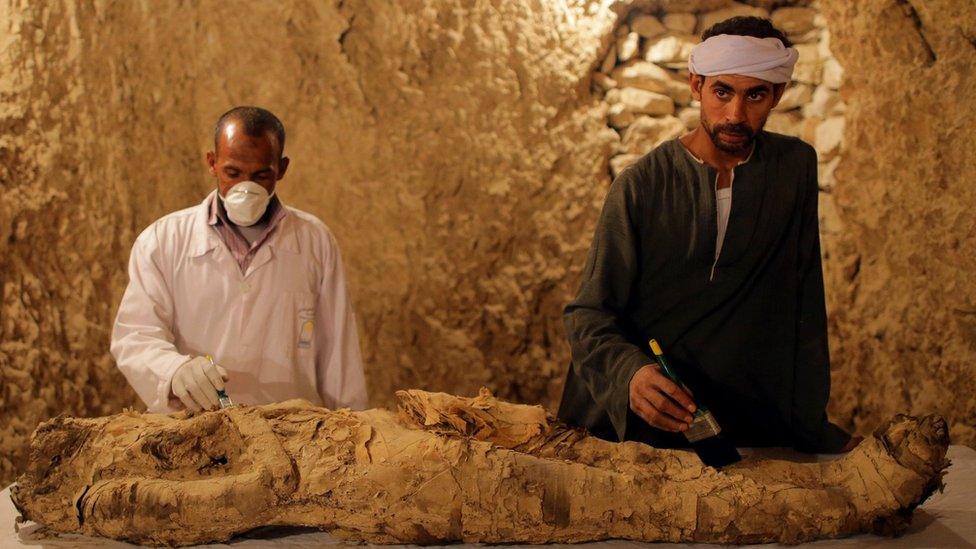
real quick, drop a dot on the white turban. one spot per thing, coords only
(764, 58)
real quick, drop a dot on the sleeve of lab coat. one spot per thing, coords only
(339, 363)
(142, 338)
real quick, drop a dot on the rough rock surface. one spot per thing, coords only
(453, 148)
(460, 156)
(900, 276)
(810, 109)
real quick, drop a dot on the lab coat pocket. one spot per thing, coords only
(294, 327)
(305, 323)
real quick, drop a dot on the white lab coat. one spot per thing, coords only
(285, 329)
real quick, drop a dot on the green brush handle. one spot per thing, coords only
(663, 362)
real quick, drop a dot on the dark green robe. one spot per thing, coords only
(749, 339)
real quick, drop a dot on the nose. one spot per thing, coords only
(735, 111)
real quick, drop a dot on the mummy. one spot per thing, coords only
(445, 468)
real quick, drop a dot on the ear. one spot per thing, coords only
(282, 167)
(212, 163)
(697, 82)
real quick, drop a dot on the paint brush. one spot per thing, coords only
(225, 401)
(705, 434)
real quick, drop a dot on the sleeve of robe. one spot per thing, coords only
(812, 431)
(603, 358)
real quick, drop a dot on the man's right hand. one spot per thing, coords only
(196, 383)
(659, 401)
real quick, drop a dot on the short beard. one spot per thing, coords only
(738, 129)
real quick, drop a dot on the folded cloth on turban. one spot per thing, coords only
(764, 58)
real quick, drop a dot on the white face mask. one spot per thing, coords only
(246, 202)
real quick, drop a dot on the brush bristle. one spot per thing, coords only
(716, 451)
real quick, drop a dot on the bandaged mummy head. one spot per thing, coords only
(764, 58)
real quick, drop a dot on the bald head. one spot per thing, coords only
(252, 121)
(249, 145)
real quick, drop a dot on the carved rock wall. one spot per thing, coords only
(453, 147)
(900, 287)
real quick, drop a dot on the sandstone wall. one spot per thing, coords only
(457, 151)
(453, 147)
(901, 287)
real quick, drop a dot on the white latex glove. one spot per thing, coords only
(196, 383)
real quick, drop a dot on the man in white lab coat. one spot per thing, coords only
(239, 293)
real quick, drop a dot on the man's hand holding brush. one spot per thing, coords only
(659, 401)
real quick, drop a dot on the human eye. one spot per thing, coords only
(721, 94)
(757, 96)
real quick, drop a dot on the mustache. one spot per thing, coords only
(735, 129)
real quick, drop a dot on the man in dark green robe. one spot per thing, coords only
(743, 322)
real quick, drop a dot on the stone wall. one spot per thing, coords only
(901, 288)
(100, 136)
(460, 155)
(453, 147)
(644, 80)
